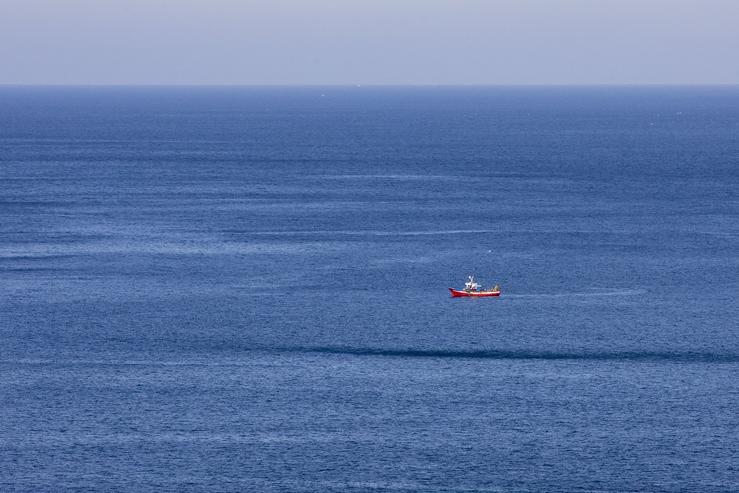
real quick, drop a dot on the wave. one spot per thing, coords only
(391, 177)
(587, 294)
(495, 355)
(646, 356)
(440, 232)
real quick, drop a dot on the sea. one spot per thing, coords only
(245, 289)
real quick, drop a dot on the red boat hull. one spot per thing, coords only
(458, 293)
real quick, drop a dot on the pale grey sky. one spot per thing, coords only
(369, 42)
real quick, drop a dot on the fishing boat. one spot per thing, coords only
(472, 289)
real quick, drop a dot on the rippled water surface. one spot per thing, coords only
(246, 289)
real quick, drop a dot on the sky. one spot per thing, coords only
(413, 42)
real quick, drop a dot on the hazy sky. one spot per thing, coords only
(369, 41)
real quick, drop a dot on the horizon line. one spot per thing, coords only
(370, 85)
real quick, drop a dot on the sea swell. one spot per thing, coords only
(485, 354)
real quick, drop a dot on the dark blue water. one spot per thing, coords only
(246, 289)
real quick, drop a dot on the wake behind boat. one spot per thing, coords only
(472, 289)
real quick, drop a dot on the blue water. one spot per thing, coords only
(228, 289)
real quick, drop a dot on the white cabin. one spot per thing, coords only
(471, 285)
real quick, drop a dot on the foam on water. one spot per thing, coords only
(587, 294)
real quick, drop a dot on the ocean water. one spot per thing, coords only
(245, 289)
